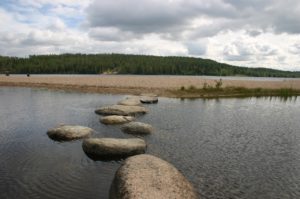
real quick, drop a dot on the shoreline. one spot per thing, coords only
(84, 88)
(172, 86)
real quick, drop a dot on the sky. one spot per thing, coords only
(256, 33)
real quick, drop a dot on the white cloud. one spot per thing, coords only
(295, 49)
(110, 34)
(248, 33)
(41, 3)
(196, 48)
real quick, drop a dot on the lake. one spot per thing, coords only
(246, 78)
(228, 148)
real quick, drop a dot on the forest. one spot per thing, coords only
(129, 64)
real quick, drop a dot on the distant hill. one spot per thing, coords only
(130, 64)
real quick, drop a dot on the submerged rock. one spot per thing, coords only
(116, 119)
(67, 132)
(121, 110)
(130, 101)
(112, 148)
(137, 128)
(147, 177)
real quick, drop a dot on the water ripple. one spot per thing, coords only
(229, 148)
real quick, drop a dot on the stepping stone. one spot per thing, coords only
(112, 148)
(148, 177)
(68, 132)
(116, 119)
(131, 101)
(148, 98)
(121, 110)
(137, 128)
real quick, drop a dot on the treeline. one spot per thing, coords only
(129, 64)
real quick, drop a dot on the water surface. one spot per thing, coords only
(246, 78)
(228, 148)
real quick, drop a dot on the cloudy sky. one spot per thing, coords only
(256, 33)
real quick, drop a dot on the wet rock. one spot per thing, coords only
(148, 177)
(137, 128)
(149, 98)
(131, 101)
(121, 110)
(149, 94)
(112, 148)
(67, 132)
(116, 119)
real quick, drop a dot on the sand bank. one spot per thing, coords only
(136, 84)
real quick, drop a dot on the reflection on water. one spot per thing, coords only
(228, 148)
(270, 98)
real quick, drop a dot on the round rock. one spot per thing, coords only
(116, 119)
(130, 101)
(147, 177)
(121, 110)
(112, 148)
(149, 94)
(149, 99)
(137, 128)
(67, 132)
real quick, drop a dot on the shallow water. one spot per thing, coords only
(228, 148)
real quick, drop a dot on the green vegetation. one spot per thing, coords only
(129, 64)
(208, 91)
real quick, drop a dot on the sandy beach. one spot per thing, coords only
(135, 84)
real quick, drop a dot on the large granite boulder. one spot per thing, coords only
(137, 128)
(148, 177)
(112, 148)
(116, 119)
(68, 132)
(130, 101)
(121, 110)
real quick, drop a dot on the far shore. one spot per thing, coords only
(165, 86)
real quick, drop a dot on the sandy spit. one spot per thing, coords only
(134, 84)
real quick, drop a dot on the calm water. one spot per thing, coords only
(228, 148)
(178, 76)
